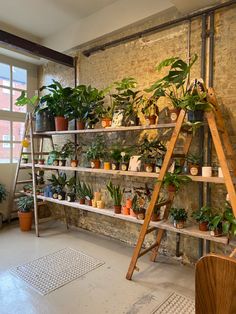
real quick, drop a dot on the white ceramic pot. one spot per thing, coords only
(206, 171)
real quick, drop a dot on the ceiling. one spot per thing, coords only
(64, 24)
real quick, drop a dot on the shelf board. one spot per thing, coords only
(188, 230)
(105, 130)
(122, 173)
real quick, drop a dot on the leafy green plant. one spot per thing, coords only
(96, 148)
(71, 183)
(85, 100)
(58, 182)
(88, 191)
(3, 193)
(33, 102)
(151, 150)
(174, 84)
(229, 224)
(59, 100)
(197, 101)
(202, 214)
(25, 203)
(193, 159)
(115, 192)
(69, 150)
(176, 180)
(81, 190)
(115, 154)
(216, 221)
(149, 106)
(178, 214)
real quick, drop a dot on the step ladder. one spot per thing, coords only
(224, 153)
(35, 140)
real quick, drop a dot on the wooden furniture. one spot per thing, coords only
(215, 279)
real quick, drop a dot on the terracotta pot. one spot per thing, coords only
(82, 201)
(179, 224)
(149, 167)
(125, 210)
(107, 165)
(41, 161)
(117, 209)
(174, 113)
(150, 120)
(203, 226)
(115, 165)
(89, 202)
(61, 124)
(106, 122)
(25, 220)
(74, 163)
(95, 164)
(155, 217)
(194, 170)
(80, 125)
(128, 203)
(132, 213)
(171, 188)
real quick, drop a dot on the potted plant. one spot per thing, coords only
(85, 100)
(215, 225)
(58, 103)
(116, 194)
(96, 151)
(137, 209)
(116, 158)
(24, 159)
(81, 192)
(71, 194)
(156, 213)
(43, 118)
(41, 161)
(229, 222)
(58, 184)
(126, 99)
(173, 181)
(173, 85)
(125, 157)
(203, 217)
(106, 160)
(150, 109)
(54, 156)
(70, 149)
(179, 216)
(88, 192)
(27, 188)
(25, 205)
(194, 164)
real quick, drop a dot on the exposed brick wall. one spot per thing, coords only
(138, 59)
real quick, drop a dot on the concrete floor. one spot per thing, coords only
(103, 290)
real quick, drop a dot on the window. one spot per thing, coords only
(13, 80)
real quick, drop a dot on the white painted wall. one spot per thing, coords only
(115, 16)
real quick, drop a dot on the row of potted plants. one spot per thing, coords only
(87, 105)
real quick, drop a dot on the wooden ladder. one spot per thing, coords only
(222, 144)
(29, 133)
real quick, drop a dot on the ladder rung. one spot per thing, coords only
(47, 219)
(24, 181)
(151, 229)
(18, 194)
(36, 153)
(148, 249)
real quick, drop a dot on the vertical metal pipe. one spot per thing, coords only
(75, 83)
(201, 131)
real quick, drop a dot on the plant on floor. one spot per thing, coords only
(25, 205)
(173, 181)
(3, 193)
(116, 194)
(203, 217)
(179, 216)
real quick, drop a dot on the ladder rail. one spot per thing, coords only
(155, 194)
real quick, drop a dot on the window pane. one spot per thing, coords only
(18, 130)
(19, 78)
(16, 151)
(4, 74)
(15, 95)
(5, 99)
(4, 153)
(4, 130)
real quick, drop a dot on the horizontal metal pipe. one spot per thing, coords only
(157, 28)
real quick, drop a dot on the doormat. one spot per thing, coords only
(55, 270)
(176, 304)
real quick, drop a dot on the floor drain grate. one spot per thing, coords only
(176, 304)
(53, 271)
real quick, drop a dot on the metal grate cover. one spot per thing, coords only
(53, 271)
(176, 304)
